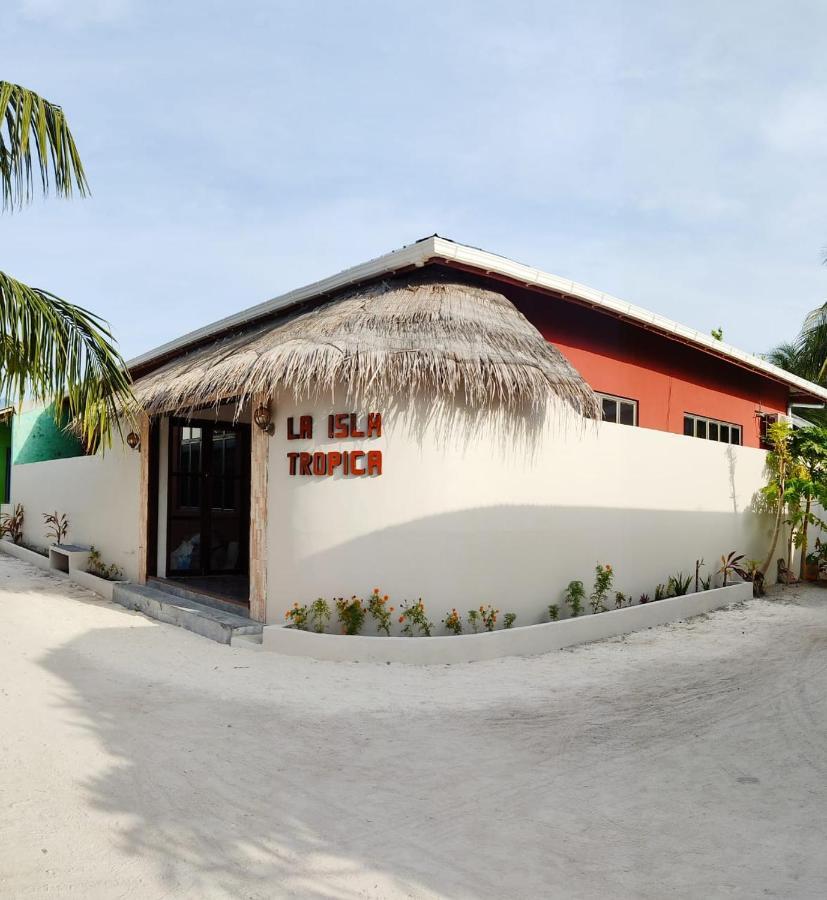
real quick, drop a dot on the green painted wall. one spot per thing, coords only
(5, 443)
(36, 437)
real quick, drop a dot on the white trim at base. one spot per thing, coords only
(526, 641)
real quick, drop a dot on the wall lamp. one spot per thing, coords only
(263, 420)
(133, 439)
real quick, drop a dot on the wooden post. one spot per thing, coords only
(143, 499)
(259, 464)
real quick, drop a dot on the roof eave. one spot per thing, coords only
(435, 248)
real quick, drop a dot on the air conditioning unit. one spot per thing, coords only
(772, 418)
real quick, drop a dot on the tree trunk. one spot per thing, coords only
(776, 531)
(790, 544)
(804, 539)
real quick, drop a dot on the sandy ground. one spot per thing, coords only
(139, 760)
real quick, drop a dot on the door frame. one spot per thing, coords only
(207, 427)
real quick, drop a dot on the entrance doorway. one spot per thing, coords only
(208, 506)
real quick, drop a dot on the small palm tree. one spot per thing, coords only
(790, 357)
(57, 352)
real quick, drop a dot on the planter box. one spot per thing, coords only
(29, 556)
(73, 555)
(523, 641)
(101, 586)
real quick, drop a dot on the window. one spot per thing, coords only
(711, 429)
(618, 409)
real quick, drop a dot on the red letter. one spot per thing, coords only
(292, 457)
(306, 426)
(340, 420)
(374, 462)
(320, 463)
(334, 459)
(330, 426)
(291, 435)
(354, 455)
(304, 463)
(353, 430)
(374, 424)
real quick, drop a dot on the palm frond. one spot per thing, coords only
(61, 354)
(787, 356)
(35, 144)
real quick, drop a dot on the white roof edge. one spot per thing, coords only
(414, 254)
(435, 247)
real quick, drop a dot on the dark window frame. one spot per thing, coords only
(719, 426)
(602, 395)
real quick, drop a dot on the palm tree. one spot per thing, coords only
(788, 356)
(805, 356)
(53, 350)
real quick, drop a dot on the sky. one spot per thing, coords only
(669, 153)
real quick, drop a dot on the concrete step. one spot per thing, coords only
(209, 622)
(171, 587)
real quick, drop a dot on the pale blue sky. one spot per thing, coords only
(672, 154)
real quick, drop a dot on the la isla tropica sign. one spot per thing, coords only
(341, 426)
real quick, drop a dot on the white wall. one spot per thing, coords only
(459, 519)
(490, 518)
(99, 494)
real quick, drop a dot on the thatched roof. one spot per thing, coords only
(406, 335)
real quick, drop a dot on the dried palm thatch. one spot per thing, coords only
(408, 335)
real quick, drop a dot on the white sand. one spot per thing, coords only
(139, 760)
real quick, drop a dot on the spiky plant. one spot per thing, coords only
(55, 351)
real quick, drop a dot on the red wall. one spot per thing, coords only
(665, 377)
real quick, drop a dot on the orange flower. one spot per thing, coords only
(376, 590)
(402, 619)
(386, 597)
(392, 609)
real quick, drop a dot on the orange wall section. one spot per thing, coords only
(667, 378)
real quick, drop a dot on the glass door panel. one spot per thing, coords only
(208, 501)
(186, 489)
(226, 519)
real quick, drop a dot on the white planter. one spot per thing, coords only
(29, 556)
(100, 586)
(526, 641)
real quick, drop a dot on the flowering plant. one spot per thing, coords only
(603, 578)
(489, 616)
(319, 614)
(453, 622)
(380, 611)
(509, 619)
(474, 619)
(297, 616)
(413, 619)
(351, 614)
